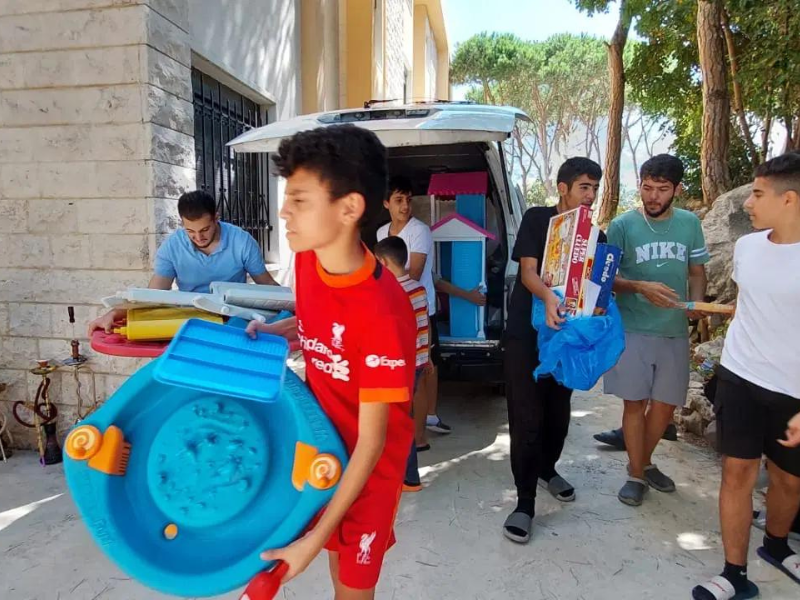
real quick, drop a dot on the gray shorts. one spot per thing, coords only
(651, 367)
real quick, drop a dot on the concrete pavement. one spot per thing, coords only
(450, 544)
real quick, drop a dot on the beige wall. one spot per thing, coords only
(420, 28)
(399, 49)
(431, 63)
(426, 57)
(431, 52)
(358, 63)
(319, 54)
(430, 33)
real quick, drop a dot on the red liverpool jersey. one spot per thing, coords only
(358, 335)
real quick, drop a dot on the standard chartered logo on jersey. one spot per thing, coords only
(332, 364)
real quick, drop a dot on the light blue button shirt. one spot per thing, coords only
(236, 255)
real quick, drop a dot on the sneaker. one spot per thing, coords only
(632, 493)
(436, 425)
(411, 488)
(616, 438)
(670, 433)
(657, 480)
(613, 438)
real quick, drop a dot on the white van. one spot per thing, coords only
(424, 139)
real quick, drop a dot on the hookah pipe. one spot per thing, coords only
(44, 415)
(76, 361)
(44, 412)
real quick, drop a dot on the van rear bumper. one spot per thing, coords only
(472, 360)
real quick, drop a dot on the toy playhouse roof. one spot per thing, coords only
(456, 228)
(452, 184)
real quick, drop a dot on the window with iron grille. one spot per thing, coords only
(238, 182)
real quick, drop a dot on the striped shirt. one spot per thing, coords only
(419, 302)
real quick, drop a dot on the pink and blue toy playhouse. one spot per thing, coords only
(461, 246)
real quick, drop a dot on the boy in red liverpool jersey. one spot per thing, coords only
(358, 334)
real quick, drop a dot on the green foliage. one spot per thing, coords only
(594, 6)
(561, 83)
(487, 60)
(538, 195)
(768, 46)
(504, 69)
(663, 73)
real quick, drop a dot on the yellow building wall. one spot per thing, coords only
(358, 62)
(351, 53)
(319, 38)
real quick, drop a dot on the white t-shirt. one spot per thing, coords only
(761, 345)
(418, 238)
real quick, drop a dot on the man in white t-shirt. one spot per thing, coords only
(419, 241)
(758, 388)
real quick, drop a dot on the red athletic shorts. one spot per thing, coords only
(365, 534)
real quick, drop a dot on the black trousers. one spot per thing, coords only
(538, 416)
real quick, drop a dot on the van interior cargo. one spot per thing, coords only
(418, 163)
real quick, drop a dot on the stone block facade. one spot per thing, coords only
(96, 144)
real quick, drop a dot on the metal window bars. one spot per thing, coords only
(238, 182)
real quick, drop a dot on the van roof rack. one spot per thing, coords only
(370, 103)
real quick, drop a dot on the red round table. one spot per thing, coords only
(118, 345)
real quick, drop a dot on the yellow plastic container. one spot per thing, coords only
(154, 324)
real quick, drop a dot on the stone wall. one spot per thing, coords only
(723, 225)
(96, 144)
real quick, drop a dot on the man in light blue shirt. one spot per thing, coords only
(204, 250)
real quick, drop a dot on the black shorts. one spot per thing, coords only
(435, 352)
(751, 419)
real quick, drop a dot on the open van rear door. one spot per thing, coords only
(414, 125)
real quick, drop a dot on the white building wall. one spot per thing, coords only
(257, 43)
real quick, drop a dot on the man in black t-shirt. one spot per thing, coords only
(539, 411)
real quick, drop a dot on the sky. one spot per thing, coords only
(528, 19)
(533, 20)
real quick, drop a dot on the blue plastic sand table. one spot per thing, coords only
(183, 481)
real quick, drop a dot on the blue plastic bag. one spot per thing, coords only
(578, 354)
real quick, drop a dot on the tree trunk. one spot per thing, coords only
(488, 97)
(616, 72)
(765, 135)
(796, 134)
(738, 103)
(788, 144)
(715, 139)
(792, 126)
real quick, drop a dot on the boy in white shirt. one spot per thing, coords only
(758, 390)
(419, 241)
